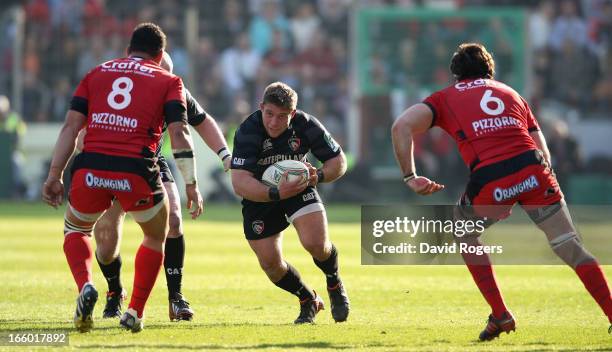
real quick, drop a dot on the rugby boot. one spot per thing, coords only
(83, 316)
(114, 300)
(130, 321)
(339, 301)
(496, 326)
(178, 309)
(309, 309)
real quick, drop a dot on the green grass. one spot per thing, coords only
(408, 308)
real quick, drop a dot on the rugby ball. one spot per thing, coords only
(296, 170)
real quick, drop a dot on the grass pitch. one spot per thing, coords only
(407, 308)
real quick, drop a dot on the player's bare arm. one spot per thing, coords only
(213, 137)
(248, 187)
(416, 119)
(53, 188)
(331, 170)
(540, 141)
(182, 146)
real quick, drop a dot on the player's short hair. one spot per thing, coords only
(280, 94)
(472, 60)
(148, 38)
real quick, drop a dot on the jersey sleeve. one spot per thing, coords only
(247, 143)
(434, 102)
(195, 113)
(532, 123)
(322, 144)
(80, 98)
(175, 109)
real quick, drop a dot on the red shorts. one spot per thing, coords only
(525, 179)
(98, 179)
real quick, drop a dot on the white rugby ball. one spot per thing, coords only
(296, 170)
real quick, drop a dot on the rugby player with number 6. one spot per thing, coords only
(500, 141)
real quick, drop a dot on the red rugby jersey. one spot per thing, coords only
(489, 120)
(125, 101)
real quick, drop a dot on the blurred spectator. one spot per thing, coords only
(568, 26)
(233, 23)
(318, 58)
(565, 153)
(303, 25)
(13, 129)
(263, 25)
(573, 74)
(239, 65)
(35, 98)
(334, 16)
(89, 59)
(540, 24)
(60, 100)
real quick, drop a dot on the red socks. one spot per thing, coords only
(484, 277)
(595, 282)
(148, 264)
(77, 248)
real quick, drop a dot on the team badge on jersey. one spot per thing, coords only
(267, 145)
(331, 142)
(258, 226)
(294, 143)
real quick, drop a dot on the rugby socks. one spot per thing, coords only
(148, 263)
(292, 283)
(112, 274)
(174, 255)
(595, 282)
(482, 272)
(329, 267)
(77, 248)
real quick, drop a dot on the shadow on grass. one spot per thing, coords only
(284, 346)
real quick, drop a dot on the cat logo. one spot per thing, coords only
(258, 226)
(294, 143)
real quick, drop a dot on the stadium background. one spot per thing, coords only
(355, 64)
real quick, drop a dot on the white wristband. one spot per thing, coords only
(186, 164)
(223, 153)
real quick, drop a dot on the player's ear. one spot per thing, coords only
(293, 113)
(261, 106)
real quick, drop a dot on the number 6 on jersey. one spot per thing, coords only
(487, 98)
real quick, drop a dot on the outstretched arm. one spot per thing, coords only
(416, 119)
(213, 137)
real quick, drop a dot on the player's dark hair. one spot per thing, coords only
(280, 94)
(472, 60)
(147, 38)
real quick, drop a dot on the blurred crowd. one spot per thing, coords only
(228, 50)
(240, 46)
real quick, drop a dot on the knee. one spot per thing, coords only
(273, 267)
(106, 252)
(317, 248)
(569, 248)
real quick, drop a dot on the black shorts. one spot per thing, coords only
(164, 170)
(265, 219)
